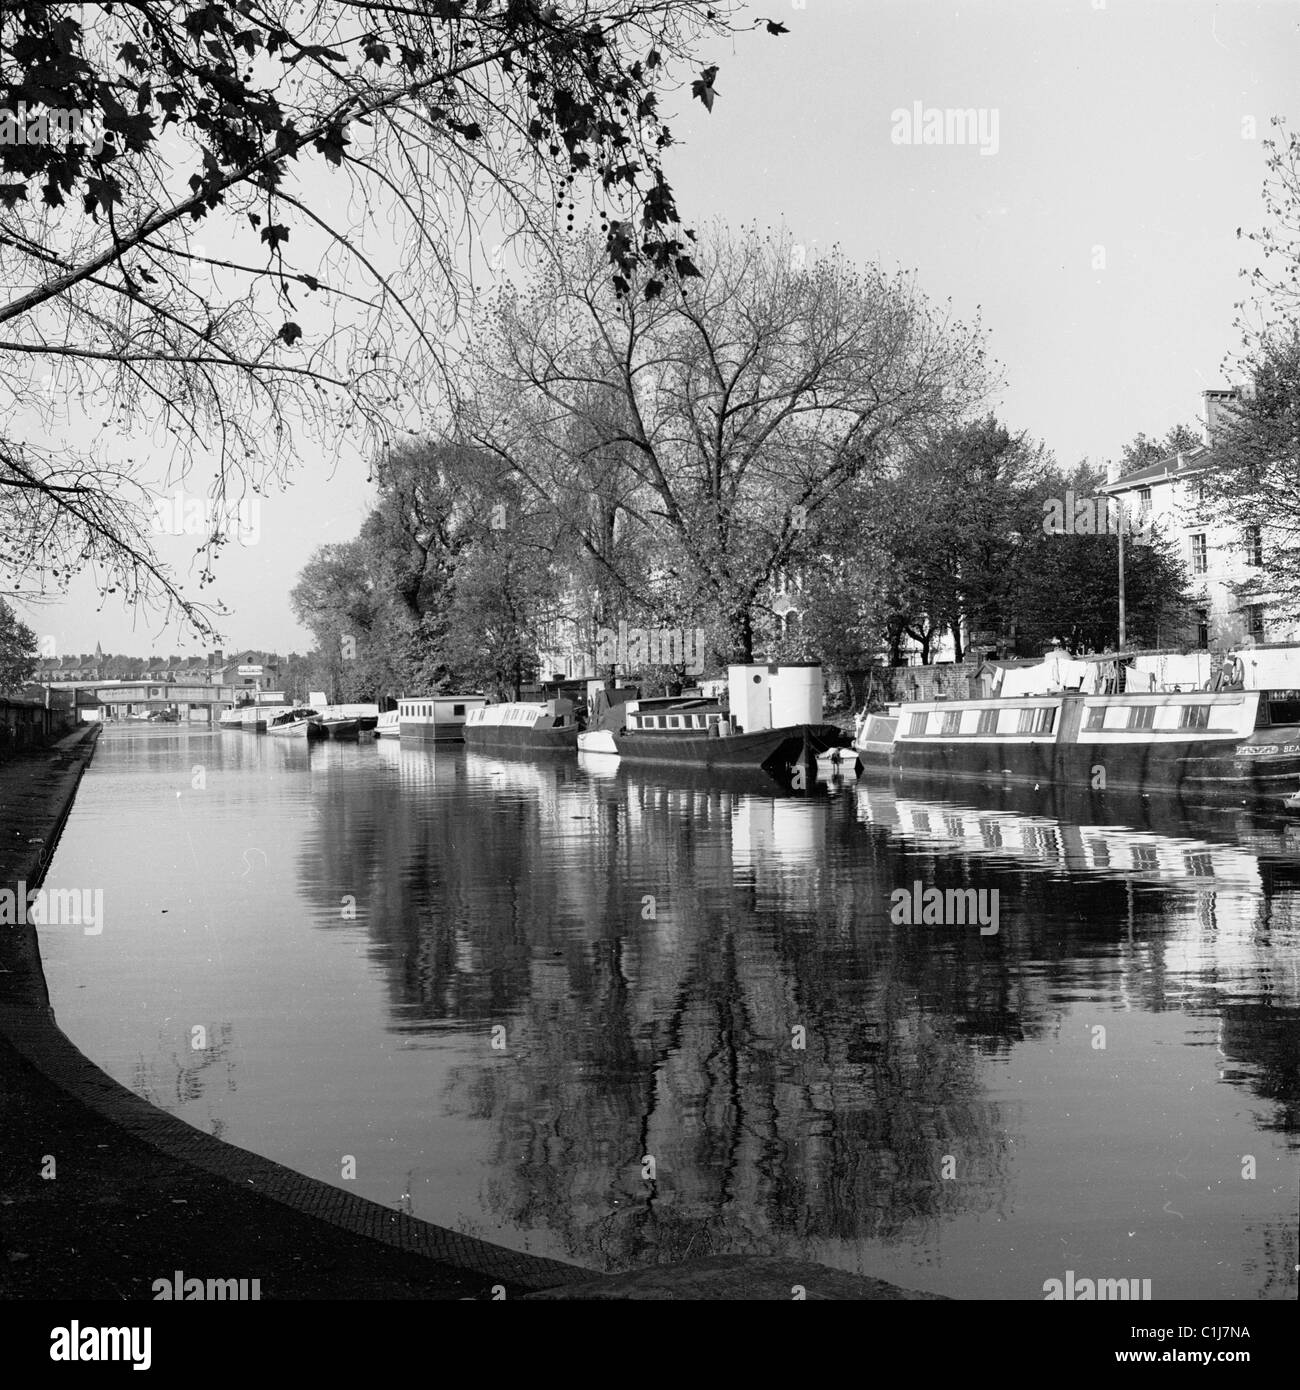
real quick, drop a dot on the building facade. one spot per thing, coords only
(1231, 603)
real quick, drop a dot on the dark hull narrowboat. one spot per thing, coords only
(544, 726)
(341, 728)
(697, 732)
(770, 748)
(1200, 743)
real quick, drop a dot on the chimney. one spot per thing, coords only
(1219, 409)
(216, 657)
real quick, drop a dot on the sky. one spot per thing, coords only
(1094, 227)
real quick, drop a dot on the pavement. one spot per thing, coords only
(102, 1193)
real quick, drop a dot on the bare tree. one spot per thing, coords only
(238, 233)
(723, 418)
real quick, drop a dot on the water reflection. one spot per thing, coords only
(711, 1036)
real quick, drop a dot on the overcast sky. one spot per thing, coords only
(1126, 127)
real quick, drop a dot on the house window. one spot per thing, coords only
(988, 722)
(1256, 620)
(1254, 546)
(1144, 501)
(1195, 717)
(1198, 553)
(1142, 717)
(1203, 628)
(917, 725)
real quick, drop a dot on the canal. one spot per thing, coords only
(623, 1017)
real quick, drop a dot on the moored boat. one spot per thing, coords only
(338, 728)
(1203, 742)
(297, 723)
(388, 724)
(437, 718)
(772, 721)
(538, 726)
(250, 718)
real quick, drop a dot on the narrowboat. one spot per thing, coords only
(772, 720)
(437, 718)
(1214, 742)
(544, 726)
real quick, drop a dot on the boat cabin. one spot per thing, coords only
(437, 718)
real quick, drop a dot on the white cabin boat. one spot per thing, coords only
(437, 718)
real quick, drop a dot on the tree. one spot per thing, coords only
(189, 198)
(1257, 478)
(953, 520)
(1067, 588)
(17, 651)
(1181, 439)
(721, 420)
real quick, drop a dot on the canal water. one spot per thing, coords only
(628, 1017)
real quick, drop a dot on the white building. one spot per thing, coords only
(1223, 559)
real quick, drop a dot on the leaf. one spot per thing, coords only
(702, 87)
(471, 130)
(653, 289)
(11, 193)
(774, 28)
(375, 49)
(290, 333)
(274, 234)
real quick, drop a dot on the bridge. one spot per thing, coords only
(191, 703)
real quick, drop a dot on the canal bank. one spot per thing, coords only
(102, 1193)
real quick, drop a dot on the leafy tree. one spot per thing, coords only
(245, 226)
(1067, 587)
(17, 651)
(1181, 439)
(953, 520)
(1258, 481)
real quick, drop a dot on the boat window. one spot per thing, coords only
(457, 711)
(917, 726)
(988, 722)
(1283, 707)
(951, 722)
(1096, 717)
(674, 721)
(1195, 717)
(1037, 721)
(1142, 717)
